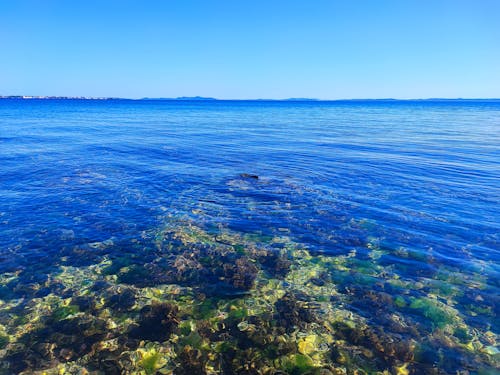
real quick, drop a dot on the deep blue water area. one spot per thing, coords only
(378, 213)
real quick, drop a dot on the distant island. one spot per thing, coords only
(182, 98)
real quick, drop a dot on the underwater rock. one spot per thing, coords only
(84, 303)
(272, 260)
(109, 363)
(388, 349)
(249, 175)
(310, 314)
(99, 285)
(317, 281)
(241, 274)
(190, 362)
(120, 299)
(243, 362)
(4, 340)
(186, 269)
(156, 322)
(292, 310)
(369, 301)
(57, 341)
(17, 362)
(137, 275)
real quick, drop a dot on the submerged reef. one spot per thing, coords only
(205, 300)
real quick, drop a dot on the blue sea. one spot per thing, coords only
(249, 237)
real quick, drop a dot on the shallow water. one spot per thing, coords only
(249, 237)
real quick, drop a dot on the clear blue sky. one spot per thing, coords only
(251, 49)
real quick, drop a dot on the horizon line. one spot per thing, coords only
(203, 98)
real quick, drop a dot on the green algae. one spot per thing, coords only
(193, 339)
(399, 302)
(223, 347)
(205, 310)
(432, 310)
(63, 312)
(186, 327)
(477, 309)
(116, 264)
(149, 363)
(238, 313)
(298, 364)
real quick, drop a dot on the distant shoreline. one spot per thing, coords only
(209, 99)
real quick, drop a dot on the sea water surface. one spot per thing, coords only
(249, 237)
